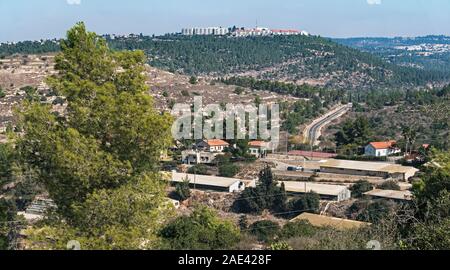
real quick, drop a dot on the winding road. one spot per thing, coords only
(312, 132)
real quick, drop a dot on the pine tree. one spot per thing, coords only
(99, 160)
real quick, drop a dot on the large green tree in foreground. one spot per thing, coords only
(99, 159)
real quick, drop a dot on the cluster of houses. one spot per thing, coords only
(206, 151)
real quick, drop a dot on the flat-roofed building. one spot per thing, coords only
(325, 221)
(203, 31)
(395, 195)
(326, 192)
(213, 183)
(376, 169)
(198, 157)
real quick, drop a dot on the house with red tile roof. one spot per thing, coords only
(382, 149)
(257, 148)
(213, 145)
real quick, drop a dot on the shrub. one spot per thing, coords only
(361, 187)
(223, 159)
(309, 202)
(228, 170)
(239, 90)
(2, 93)
(357, 208)
(198, 169)
(193, 80)
(431, 237)
(7, 215)
(202, 230)
(183, 190)
(58, 101)
(243, 222)
(389, 185)
(297, 229)
(280, 246)
(265, 230)
(376, 211)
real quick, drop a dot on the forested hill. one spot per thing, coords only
(300, 59)
(429, 53)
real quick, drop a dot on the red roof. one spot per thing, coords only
(383, 145)
(217, 143)
(257, 144)
(285, 31)
(312, 154)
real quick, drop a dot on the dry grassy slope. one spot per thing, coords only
(176, 86)
(167, 88)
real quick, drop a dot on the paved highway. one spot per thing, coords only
(313, 131)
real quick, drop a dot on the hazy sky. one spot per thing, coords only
(36, 19)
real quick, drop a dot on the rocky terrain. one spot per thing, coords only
(18, 71)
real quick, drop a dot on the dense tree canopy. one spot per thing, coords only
(355, 132)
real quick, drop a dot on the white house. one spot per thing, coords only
(382, 149)
(257, 148)
(217, 146)
(198, 157)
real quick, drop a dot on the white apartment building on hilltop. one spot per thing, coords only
(205, 31)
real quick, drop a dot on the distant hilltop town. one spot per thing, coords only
(240, 32)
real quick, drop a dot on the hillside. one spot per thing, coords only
(299, 59)
(17, 73)
(430, 53)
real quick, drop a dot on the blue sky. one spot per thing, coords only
(36, 19)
